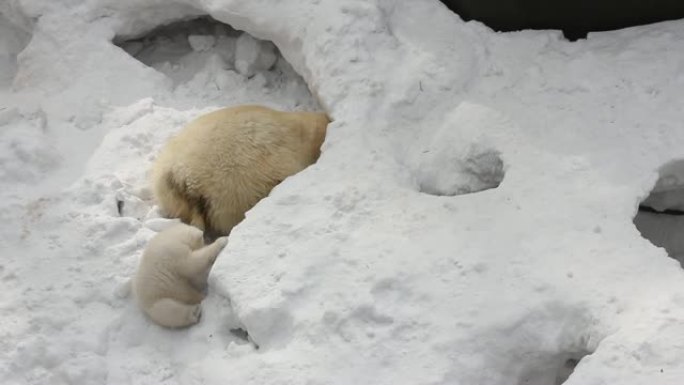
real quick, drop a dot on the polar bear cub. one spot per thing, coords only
(221, 164)
(171, 280)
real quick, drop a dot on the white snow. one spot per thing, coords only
(470, 220)
(252, 55)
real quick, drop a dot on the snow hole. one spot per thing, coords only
(542, 348)
(445, 173)
(208, 64)
(552, 369)
(180, 49)
(660, 217)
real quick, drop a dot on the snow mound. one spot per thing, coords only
(252, 55)
(13, 39)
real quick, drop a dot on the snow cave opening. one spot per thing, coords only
(192, 50)
(553, 369)
(442, 172)
(660, 217)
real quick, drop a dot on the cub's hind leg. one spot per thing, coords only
(173, 314)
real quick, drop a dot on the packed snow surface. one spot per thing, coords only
(470, 220)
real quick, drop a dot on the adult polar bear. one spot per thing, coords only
(221, 164)
(171, 279)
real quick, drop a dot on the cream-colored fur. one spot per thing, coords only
(221, 164)
(171, 280)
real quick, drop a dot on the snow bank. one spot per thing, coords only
(469, 220)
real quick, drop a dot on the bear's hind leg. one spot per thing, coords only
(176, 201)
(170, 313)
